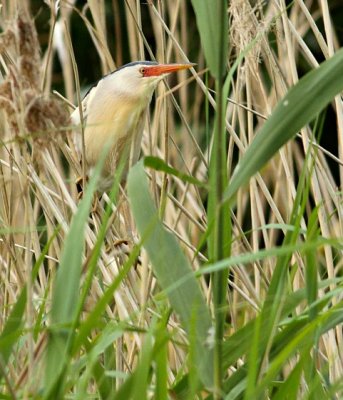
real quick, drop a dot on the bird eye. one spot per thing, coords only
(142, 71)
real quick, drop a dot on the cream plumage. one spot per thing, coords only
(114, 112)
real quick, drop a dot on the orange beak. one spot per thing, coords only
(160, 69)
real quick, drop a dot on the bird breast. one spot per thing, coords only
(117, 123)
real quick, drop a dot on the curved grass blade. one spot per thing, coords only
(64, 309)
(170, 265)
(300, 106)
(13, 329)
(158, 164)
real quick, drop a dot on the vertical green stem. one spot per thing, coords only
(221, 243)
(222, 216)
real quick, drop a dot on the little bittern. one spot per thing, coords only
(114, 112)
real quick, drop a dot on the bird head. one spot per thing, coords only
(140, 78)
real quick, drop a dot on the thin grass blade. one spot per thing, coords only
(13, 329)
(158, 164)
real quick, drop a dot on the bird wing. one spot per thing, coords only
(136, 146)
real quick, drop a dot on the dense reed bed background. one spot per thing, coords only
(216, 271)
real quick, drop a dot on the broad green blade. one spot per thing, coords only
(170, 265)
(300, 106)
(212, 21)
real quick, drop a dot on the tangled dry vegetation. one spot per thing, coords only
(38, 169)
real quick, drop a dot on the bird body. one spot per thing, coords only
(114, 113)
